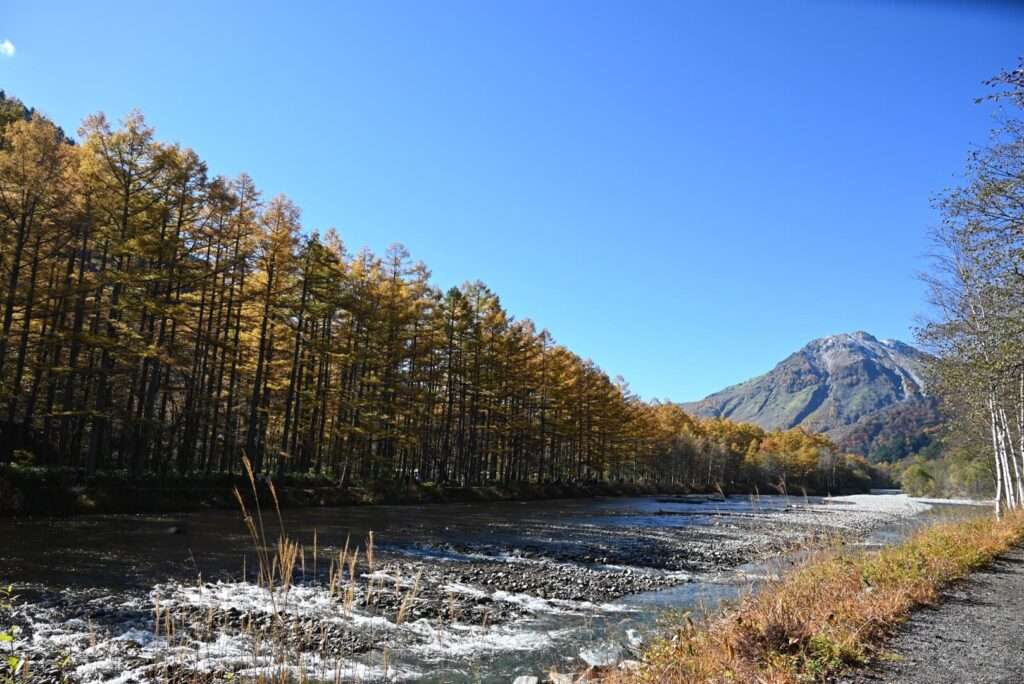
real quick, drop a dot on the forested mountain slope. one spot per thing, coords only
(833, 385)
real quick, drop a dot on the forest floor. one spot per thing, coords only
(972, 636)
(40, 491)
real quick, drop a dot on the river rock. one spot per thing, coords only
(634, 640)
(602, 655)
(525, 680)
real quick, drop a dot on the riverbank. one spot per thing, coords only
(787, 634)
(34, 491)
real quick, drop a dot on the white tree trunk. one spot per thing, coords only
(1020, 423)
(995, 455)
(1012, 455)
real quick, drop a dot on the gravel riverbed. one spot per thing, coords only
(441, 608)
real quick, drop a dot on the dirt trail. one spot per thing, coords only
(973, 636)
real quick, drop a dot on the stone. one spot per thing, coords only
(602, 655)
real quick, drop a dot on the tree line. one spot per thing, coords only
(157, 319)
(977, 288)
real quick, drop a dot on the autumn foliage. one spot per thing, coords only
(159, 319)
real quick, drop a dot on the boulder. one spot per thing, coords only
(602, 655)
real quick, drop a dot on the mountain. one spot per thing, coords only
(833, 385)
(904, 429)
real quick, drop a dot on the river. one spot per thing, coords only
(459, 592)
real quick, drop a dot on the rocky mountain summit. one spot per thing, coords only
(830, 386)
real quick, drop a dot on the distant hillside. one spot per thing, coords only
(834, 385)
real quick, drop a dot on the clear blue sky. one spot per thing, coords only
(684, 192)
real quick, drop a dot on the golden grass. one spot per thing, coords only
(830, 614)
(278, 563)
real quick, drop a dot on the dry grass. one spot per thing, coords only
(278, 563)
(830, 614)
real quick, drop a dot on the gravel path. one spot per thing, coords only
(973, 636)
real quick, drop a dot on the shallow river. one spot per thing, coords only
(460, 592)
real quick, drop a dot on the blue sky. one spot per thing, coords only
(684, 192)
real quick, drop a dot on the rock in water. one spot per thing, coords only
(525, 680)
(602, 655)
(634, 639)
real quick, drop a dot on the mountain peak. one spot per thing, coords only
(828, 386)
(857, 337)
